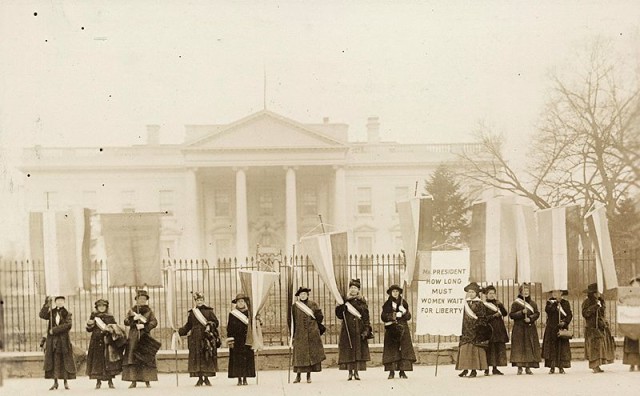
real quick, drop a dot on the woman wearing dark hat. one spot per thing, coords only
(497, 349)
(241, 357)
(202, 328)
(139, 361)
(58, 352)
(555, 350)
(525, 344)
(599, 346)
(631, 350)
(398, 353)
(353, 346)
(99, 366)
(470, 355)
(308, 351)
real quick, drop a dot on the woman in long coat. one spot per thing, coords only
(471, 356)
(525, 344)
(140, 365)
(353, 346)
(202, 328)
(308, 351)
(99, 366)
(241, 356)
(631, 351)
(58, 352)
(556, 351)
(598, 343)
(398, 353)
(497, 349)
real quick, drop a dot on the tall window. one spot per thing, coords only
(309, 202)
(89, 200)
(128, 201)
(266, 202)
(221, 203)
(364, 200)
(402, 194)
(166, 201)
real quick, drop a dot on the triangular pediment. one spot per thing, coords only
(265, 130)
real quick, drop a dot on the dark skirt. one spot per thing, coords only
(471, 357)
(316, 368)
(497, 354)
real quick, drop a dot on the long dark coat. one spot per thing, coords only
(58, 342)
(132, 368)
(525, 344)
(355, 353)
(203, 355)
(599, 347)
(241, 357)
(308, 351)
(556, 351)
(98, 364)
(397, 349)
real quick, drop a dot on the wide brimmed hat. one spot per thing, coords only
(488, 288)
(142, 293)
(356, 283)
(240, 296)
(634, 279)
(394, 287)
(101, 301)
(302, 289)
(472, 286)
(198, 295)
(592, 288)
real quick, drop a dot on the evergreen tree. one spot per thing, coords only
(450, 220)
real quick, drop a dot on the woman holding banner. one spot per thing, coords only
(555, 350)
(308, 351)
(353, 347)
(525, 344)
(631, 351)
(241, 356)
(203, 341)
(58, 352)
(140, 356)
(599, 347)
(398, 353)
(497, 349)
(471, 352)
(99, 365)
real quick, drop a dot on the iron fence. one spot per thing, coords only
(22, 297)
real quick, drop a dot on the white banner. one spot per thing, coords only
(441, 298)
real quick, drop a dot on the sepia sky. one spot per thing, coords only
(94, 73)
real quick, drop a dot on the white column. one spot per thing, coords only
(291, 210)
(242, 222)
(191, 236)
(340, 199)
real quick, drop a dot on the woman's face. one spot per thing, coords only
(395, 293)
(240, 304)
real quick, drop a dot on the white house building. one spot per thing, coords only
(260, 180)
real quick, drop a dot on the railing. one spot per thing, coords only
(21, 329)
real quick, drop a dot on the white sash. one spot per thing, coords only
(242, 317)
(491, 306)
(524, 304)
(199, 316)
(101, 325)
(304, 308)
(353, 311)
(469, 311)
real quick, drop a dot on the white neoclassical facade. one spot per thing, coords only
(262, 180)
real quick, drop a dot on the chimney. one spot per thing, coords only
(373, 130)
(153, 135)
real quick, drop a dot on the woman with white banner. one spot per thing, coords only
(203, 340)
(555, 349)
(353, 346)
(101, 364)
(525, 344)
(398, 353)
(631, 350)
(241, 356)
(472, 354)
(599, 346)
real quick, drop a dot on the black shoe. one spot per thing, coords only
(391, 375)
(553, 370)
(486, 372)
(463, 373)
(111, 386)
(298, 379)
(473, 374)
(66, 385)
(98, 384)
(403, 375)
(495, 371)
(561, 370)
(206, 381)
(356, 376)
(133, 385)
(528, 371)
(54, 386)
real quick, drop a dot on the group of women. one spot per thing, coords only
(114, 350)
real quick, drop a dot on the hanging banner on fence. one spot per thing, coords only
(61, 241)
(441, 298)
(132, 244)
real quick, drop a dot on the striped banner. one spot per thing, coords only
(325, 252)
(558, 247)
(61, 240)
(132, 244)
(256, 285)
(601, 241)
(493, 241)
(416, 228)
